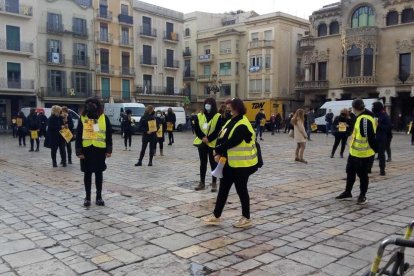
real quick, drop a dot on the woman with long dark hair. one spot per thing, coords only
(93, 146)
(149, 127)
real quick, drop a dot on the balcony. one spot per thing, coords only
(362, 32)
(55, 59)
(22, 11)
(16, 47)
(159, 91)
(53, 28)
(306, 44)
(255, 69)
(125, 19)
(148, 61)
(65, 93)
(404, 80)
(189, 75)
(148, 32)
(171, 64)
(103, 37)
(22, 84)
(187, 53)
(205, 58)
(126, 42)
(360, 81)
(104, 14)
(171, 37)
(312, 85)
(80, 61)
(126, 71)
(104, 69)
(203, 78)
(261, 44)
(79, 32)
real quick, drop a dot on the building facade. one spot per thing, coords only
(158, 55)
(18, 70)
(360, 49)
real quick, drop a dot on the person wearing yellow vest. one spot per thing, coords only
(236, 143)
(207, 126)
(362, 148)
(93, 145)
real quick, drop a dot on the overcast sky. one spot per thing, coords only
(300, 8)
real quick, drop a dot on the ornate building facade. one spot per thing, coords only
(358, 48)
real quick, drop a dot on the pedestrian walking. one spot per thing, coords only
(300, 135)
(21, 124)
(362, 149)
(388, 146)
(93, 145)
(340, 130)
(162, 126)
(236, 143)
(54, 139)
(329, 117)
(68, 124)
(260, 122)
(14, 126)
(384, 126)
(272, 123)
(287, 123)
(278, 122)
(127, 125)
(411, 129)
(310, 120)
(170, 119)
(148, 126)
(43, 124)
(33, 124)
(207, 127)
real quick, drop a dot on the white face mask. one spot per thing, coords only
(207, 107)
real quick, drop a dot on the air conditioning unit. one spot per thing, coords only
(55, 58)
(72, 92)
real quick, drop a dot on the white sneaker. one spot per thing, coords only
(243, 223)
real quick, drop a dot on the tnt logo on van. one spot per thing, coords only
(258, 105)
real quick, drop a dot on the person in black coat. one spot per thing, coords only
(21, 123)
(68, 123)
(43, 124)
(340, 129)
(162, 126)
(126, 126)
(93, 152)
(148, 136)
(54, 139)
(170, 119)
(33, 124)
(260, 116)
(383, 128)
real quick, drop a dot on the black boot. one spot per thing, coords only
(201, 186)
(70, 160)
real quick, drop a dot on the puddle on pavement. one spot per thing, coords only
(199, 270)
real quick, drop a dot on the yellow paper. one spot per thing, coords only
(170, 126)
(262, 122)
(152, 126)
(19, 122)
(410, 127)
(88, 131)
(314, 127)
(159, 131)
(34, 134)
(66, 134)
(342, 127)
(14, 121)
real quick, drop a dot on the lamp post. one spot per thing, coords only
(214, 85)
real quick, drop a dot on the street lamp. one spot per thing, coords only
(215, 85)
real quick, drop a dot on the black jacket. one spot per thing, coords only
(259, 117)
(126, 125)
(69, 123)
(342, 119)
(199, 133)
(170, 118)
(144, 124)
(43, 121)
(108, 137)
(384, 127)
(33, 122)
(54, 125)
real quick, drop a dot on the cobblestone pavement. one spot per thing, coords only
(151, 225)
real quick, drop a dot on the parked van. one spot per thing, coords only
(336, 107)
(48, 111)
(114, 110)
(269, 106)
(181, 121)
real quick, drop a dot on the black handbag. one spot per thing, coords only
(259, 155)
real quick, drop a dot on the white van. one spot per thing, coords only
(336, 107)
(181, 121)
(48, 111)
(114, 110)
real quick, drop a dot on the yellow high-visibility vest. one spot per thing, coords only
(207, 128)
(359, 146)
(243, 155)
(91, 137)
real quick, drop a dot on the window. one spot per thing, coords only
(207, 70)
(124, 9)
(12, 38)
(57, 81)
(313, 71)
(104, 58)
(322, 30)
(225, 90)
(354, 62)
(368, 61)
(405, 67)
(407, 16)
(225, 47)
(13, 75)
(80, 82)
(255, 86)
(125, 61)
(12, 6)
(392, 18)
(54, 53)
(206, 89)
(147, 54)
(207, 49)
(363, 17)
(146, 26)
(225, 69)
(125, 36)
(187, 68)
(322, 71)
(170, 58)
(268, 35)
(256, 61)
(79, 26)
(237, 68)
(54, 22)
(187, 31)
(170, 85)
(80, 54)
(267, 85)
(255, 36)
(334, 28)
(169, 30)
(103, 32)
(147, 81)
(268, 62)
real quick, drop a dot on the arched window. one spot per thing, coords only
(334, 28)
(354, 62)
(368, 61)
(407, 16)
(392, 18)
(322, 29)
(363, 17)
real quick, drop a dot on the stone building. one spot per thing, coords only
(360, 49)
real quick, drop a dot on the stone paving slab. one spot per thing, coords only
(150, 224)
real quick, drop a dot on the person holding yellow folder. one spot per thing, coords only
(341, 131)
(149, 127)
(33, 124)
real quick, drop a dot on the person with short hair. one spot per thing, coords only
(362, 148)
(68, 123)
(149, 136)
(54, 139)
(33, 125)
(21, 124)
(384, 126)
(329, 117)
(170, 120)
(260, 122)
(310, 120)
(126, 125)
(160, 132)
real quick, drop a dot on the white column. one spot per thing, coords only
(307, 73)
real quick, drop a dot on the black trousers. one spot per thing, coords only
(412, 137)
(381, 155)
(340, 138)
(205, 154)
(240, 182)
(151, 140)
(22, 139)
(170, 137)
(357, 167)
(127, 139)
(32, 143)
(54, 148)
(159, 142)
(87, 180)
(69, 150)
(388, 147)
